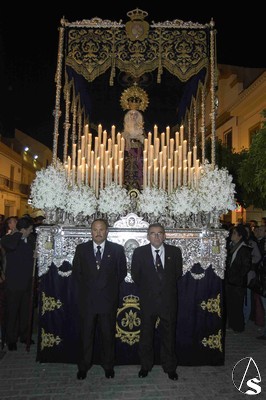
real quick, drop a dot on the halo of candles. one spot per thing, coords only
(167, 162)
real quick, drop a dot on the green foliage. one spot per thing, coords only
(252, 171)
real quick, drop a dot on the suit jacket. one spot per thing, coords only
(239, 263)
(151, 289)
(19, 261)
(98, 290)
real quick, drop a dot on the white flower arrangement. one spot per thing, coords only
(49, 188)
(81, 200)
(153, 200)
(184, 200)
(113, 199)
(216, 190)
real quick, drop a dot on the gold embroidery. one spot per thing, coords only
(128, 322)
(212, 305)
(49, 340)
(213, 341)
(50, 303)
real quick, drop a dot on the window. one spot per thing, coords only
(253, 131)
(228, 139)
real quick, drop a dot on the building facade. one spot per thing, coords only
(20, 158)
(241, 98)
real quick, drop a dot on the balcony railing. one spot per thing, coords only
(13, 186)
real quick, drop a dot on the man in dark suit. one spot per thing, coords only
(155, 269)
(100, 267)
(19, 248)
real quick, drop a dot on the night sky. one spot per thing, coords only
(29, 44)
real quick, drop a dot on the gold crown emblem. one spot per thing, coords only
(137, 14)
(131, 299)
(134, 98)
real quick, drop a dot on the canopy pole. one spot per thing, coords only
(58, 80)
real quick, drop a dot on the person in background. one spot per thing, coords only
(253, 223)
(38, 217)
(155, 269)
(256, 257)
(19, 250)
(238, 265)
(10, 225)
(99, 267)
(2, 221)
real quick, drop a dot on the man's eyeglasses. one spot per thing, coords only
(156, 234)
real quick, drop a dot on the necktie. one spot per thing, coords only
(98, 257)
(159, 265)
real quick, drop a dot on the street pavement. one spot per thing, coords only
(22, 378)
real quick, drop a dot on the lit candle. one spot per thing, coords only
(175, 176)
(118, 138)
(121, 171)
(109, 145)
(181, 133)
(194, 155)
(96, 145)
(101, 176)
(167, 139)
(164, 177)
(82, 169)
(145, 161)
(107, 176)
(97, 176)
(82, 146)
(169, 175)
(184, 149)
(171, 153)
(106, 158)
(180, 155)
(155, 133)
(102, 153)
(73, 174)
(74, 148)
(176, 140)
(122, 142)
(113, 134)
(100, 129)
(111, 169)
(185, 176)
(88, 153)
(115, 154)
(155, 167)
(162, 140)
(86, 130)
(156, 147)
(79, 157)
(87, 174)
(151, 155)
(92, 169)
(104, 138)
(149, 140)
(156, 174)
(145, 145)
(179, 175)
(164, 155)
(149, 177)
(116, 174)
(189, 155)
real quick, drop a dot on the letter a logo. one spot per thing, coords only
(246, 376)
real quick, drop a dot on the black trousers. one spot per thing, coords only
(167, 333)
(18, 311)
(105, 324)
